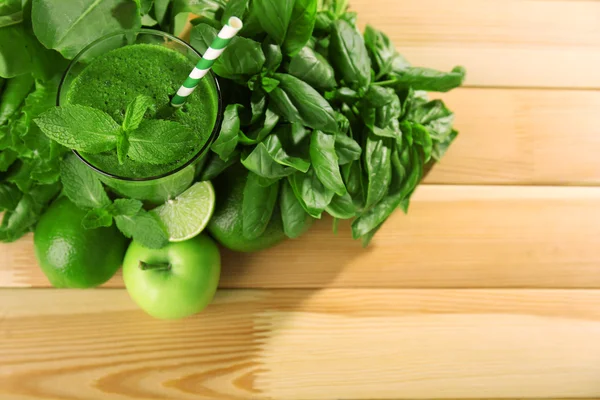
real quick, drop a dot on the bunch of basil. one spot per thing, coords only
(326, 120)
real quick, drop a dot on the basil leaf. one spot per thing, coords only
(303, 104)
(428, 79)
(311, 193)
(349, 55)
(347, 149)
(436, 117)
(312, 68)
(378, 96)
(228, 136)
(258, 105)
(79, 127)
(257, 206)
(81, 184)
(389, 112)
(285, 150)
(325, 161)
(160, 141)
(421, 136)
(440, 147)
(382, 51)
(341, 207)
(242, 59)
(378, 167)
(274, 17)
(302, 23)
(292, 213)
(13, 95)
(70, 26)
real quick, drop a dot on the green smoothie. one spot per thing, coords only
(111, 81)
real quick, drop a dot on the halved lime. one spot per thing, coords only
(188, 214)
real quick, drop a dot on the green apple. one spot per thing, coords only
(173, 282)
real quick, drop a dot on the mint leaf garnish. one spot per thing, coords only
(126, 207)
(81, 185)
(79, 127)
(160, 142)
(135, 112)
(143, 228)
(96, 218)
(122, 146)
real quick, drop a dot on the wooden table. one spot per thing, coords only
(489, 288)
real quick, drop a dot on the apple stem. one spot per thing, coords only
(164, 266)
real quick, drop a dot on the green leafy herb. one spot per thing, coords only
(349, 55)
(274, 17)
(160, 141)
(302, 23)
(325, 161)
(257, 206)
(228, 137)
(97, 218)
(144, 228)
(312, 68)
(135, 112)
(81, 185)
(293, 214)
(311, 193)
(79, 127)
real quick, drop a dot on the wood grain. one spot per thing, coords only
(510, 43)
(453, 236)
(303, 344)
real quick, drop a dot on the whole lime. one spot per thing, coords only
(226, 224)
(72, 256)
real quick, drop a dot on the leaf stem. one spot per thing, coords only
(385, 83)
(159, 266)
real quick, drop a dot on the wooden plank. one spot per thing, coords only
(519, 136)
(453, 236)
(517, 43)
(303, 344)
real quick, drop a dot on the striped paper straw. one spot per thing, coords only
(205, 64)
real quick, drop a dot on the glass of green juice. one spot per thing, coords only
(110, 72)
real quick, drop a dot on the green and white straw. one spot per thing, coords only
(205, 64)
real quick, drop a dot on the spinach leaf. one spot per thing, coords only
(214, 166)
(325, 161)
(311, 193)
(234, 8)
(301, 26)
(13, 95)
(242, 59)
(297, 101)
(312, 68)
(347, 149)
(273, 54)
(427, 79)
(274, 17)
(377, 160)
(257, 206)
(292, 213)
(264, 165)
(349, 55)
(70, 26)
(341, 207)
(228, 136)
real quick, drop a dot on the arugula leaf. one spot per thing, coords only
(274, 17)
(378, 167)
(79, 127)
(301, 103)
(311, 193)
(135, 112)
(144, 228)
(13, 95)
(312, 68)
(349, 55)
(302, 23)
(81, 185)
(97, 218)
(68, 27)
(292, 213)
(242, 59)
(341, 207)
(325, 161)
(347, 149)
(228, 136)
(427, 79)
(257, 206)
(160, 141)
